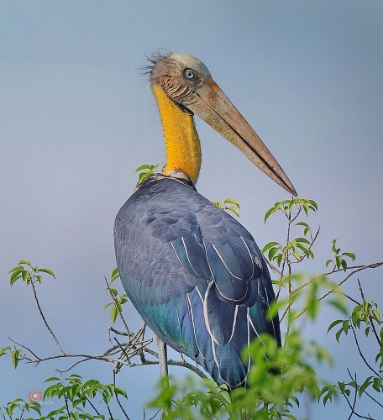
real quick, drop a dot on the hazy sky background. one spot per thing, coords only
(77, 118)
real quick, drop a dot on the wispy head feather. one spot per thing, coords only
(154, 58)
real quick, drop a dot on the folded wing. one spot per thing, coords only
(194, 274)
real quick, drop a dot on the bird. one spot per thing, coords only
(193, 272)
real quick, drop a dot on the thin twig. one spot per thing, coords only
(373, 399)
(123, 350)
(66, 405)
(24, 347)
(43, 317)
(350, 298)
(155, 415)
(119, 332)
(361, 268)
(348, 402)
(360, 352)
(289, 286)
(354, 402)
(356, 268)
(313, 239)
(72, 366)
(117, 397)
(150, 351)
(94, 408)
(117, 307)
(189, 366)
(372, 321)
(110, 413)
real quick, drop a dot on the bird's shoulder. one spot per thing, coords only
(175, 223)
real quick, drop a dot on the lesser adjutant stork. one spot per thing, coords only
(194, 274)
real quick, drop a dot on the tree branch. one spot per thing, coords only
(43, 317)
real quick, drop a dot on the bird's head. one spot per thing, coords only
(189, 84)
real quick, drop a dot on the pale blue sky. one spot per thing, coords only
(77, 118)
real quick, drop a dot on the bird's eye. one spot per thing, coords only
(189, 74)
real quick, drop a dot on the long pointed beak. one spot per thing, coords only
(214, 107)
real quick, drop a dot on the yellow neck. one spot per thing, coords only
(183, 151)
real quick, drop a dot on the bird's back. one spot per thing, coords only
(195, 275)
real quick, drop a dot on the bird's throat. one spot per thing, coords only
(183, 150)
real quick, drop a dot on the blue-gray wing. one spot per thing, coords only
(195, 275)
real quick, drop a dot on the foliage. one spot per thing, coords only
(145, 170)
(229, 204)
(29, 274)
(19, 407)
(76, 396)
(268, 395)
(278, 396)
(279, 378)
(339, 261)
(117, 301)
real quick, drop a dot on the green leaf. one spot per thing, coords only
(338, 261)
(278, 259)
(333, 248)
(233, 210)
(147, 170)
(113, 314)
(272, 252)
(312, 301)
(306, 250)
(143, 167)
(333, 324)
(376, 315)
(314, 205)
(52, 378)
(217, 204)
(17, 268)
(306, 208)
(337, 335)
(232, 201)
(120, 391)
(26, 276)
(4, 350)
(306, 227)
(15, 276)
(365, 385)
(25, 262)
(115, 275)
(271, 211)
(377, 384)
(123, 298)
(64, 391)
(15, 354)
(35, 406)
(268, 246)
(350, 255)
(47, 270)
(304, 240)
(296, 255)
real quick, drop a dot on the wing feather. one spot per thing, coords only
(194, 274)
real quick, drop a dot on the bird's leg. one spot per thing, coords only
(162, 357)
